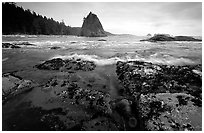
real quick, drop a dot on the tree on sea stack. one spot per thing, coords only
(92, 27)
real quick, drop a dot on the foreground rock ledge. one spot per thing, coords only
(13, 85)
(166, 97)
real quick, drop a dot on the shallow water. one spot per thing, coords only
(115, 48)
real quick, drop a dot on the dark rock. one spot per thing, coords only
(100, 124)
(25, 44)
(185, 38)
(92, 27)
(159, 38)
(163, 37)
(64, 88)
(67, 65)
(55, 47)
(72, 42)
(9, 45)
(54, 64)
(102, 40)
(143, 77)
(162, 94)
(165, 111)
(53, 121)
(132, 122)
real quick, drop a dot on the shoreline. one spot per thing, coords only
(77, 93)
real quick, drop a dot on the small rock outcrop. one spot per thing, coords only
(92, 27)
(9, 45)
(24, 44)
(66, 65)
(55, 47)
(164, 37)
(185, 38)
(16, 45)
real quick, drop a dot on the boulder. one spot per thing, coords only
(55, 47)
(9, 45)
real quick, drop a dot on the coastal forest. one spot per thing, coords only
(16, 20)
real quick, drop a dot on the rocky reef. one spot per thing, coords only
(92, 27)
(24, 44)
(102, 112)
(162, 37)
(166, 97)
(9, 45)
(16, 45)
(90, 99)
(13, 85)
(55, 47)
(67, 65)
(151, 97)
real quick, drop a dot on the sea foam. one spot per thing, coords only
(167, 60)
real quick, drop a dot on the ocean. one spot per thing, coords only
(113, 48)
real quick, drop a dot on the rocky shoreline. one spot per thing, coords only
(13, 85)
(165, 96)
(153, 97)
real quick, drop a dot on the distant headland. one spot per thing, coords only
(16, 20)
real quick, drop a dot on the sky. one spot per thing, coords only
(138, 18)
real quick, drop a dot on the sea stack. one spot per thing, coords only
(92, 27)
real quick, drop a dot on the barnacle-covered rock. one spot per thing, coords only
(166, 97)
(169, 111)
(63, 88)
(143, 77)
(54, 64)
(67, 65)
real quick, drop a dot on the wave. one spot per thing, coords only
(167, 60)
(4, 59)
(47, 42)
(96, 59)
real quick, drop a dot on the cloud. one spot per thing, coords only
(129, 17)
